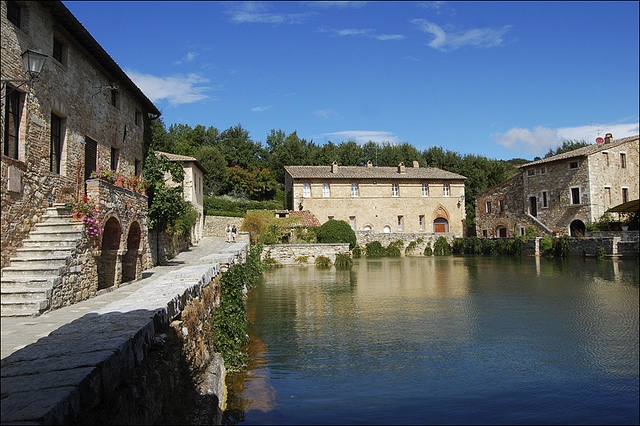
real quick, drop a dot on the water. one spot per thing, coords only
(449, 340)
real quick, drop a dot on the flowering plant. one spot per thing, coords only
(85, 210)
(106, 175)
(134, 183)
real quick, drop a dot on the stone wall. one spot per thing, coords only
(286, 254)
(214, 226)
(420, 239)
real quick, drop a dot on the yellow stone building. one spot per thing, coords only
(380, 199)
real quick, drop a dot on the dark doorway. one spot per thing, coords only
(578, 228)
(533, 206)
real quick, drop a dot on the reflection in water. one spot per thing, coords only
(443, 340)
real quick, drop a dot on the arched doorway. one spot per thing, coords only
(440, 225)
(130, 257)
(386, 229)
(108, 262)
(577, 228)
(501, 231)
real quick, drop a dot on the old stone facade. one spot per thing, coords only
(380, 199)
(192, 188)
(563, 193)
(81, 114)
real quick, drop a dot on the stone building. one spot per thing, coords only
(82, 114)
(563, 193)
(192, 188)
(380, 199)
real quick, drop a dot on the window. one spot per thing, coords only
(623, 160)
(425, 189)
(138, 118)
(625, 195)
(484, 233)
(487, 207)
(543, 170)
(394, 190)
(13, 13)
(354, 189)
(115, 98)
(306, 190)
(500, 206)
(400, 219)
(575, 195)
(12, 114)
(421, 222)
(326, 191)
(573, 165)
(352, 222)
(531, 172)
(59, 51)
(446, 189)
(607, 195)
(115, 154)
(606, 158)
(545, 199)
(56, 144)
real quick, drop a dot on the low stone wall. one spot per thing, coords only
(214, 226)
(286, 254)
(589, 246)
(365, 237)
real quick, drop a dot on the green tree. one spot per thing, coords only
(166, 203)
(215, 166)
(336, 231)
(239, 150)
(567, 146)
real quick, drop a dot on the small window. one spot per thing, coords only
(421, 222)
(354, 190)
(573, 165)
(625, 195)
(446, 189)
(400, 220)
(326, 191)
(623, 160)
(138, 118)
(487, 207)
(115, 98)
(115, 156)
(545, 199)
(531, 172)
(575, 195)
(425, 189)
(14, 12)
(394, 189)
(13, 116)
(55, 154)
(605, 155)
(500, 206)
(352, 222)
(59, 51)
(543, 170)
(484, 233)
(607, 195)
(306, 190)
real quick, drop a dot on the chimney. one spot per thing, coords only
(608, 138)
(334, 167)
(416, 164)
(369, 164)
(401, 168)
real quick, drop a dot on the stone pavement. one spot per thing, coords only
(61, 362)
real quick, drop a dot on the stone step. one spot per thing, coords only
(44, 261)
(11, 272)
(57, 225)
(61, 235)
(28, 294)
(69, 243)
(23, 309)
(26, 281)
(40, 251)
(59, 220)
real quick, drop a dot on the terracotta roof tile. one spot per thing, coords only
(352, 172)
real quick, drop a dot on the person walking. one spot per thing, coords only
(228, 232)
(234, 232)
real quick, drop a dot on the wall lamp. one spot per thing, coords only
(32, 63)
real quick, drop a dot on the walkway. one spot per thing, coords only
(48, 361)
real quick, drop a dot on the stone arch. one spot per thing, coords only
(441, 219)
(386, 229)
(108, 261)
(441, 212)
(501, 231)
(367, 227)
(130, 257)
(577, 228)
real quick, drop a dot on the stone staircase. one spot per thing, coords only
(27, 284)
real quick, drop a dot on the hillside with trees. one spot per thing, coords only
(244, 174)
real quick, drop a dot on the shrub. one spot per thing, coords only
(323, 262)
(546, 243)
(302, 260)
(428, 251)
(474, 246)
(254, 225)
(601, 252)
(441, 247)
(394, 248)
(561, 246)
(343, 260)
(374, 249)
(410, 247)
(458, 246)
(336, 231)
(357, 252)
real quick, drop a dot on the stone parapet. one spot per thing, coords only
(293, 254)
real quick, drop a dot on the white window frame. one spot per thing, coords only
(545, 200)
(306, 190)
(355, 192)
(400, 222)
(425, 189)
(421, 222)
(352, 222)
(326, 190)
(543, 170)
(531, 172)
(395, 189)
(571, 198)
(623, 160)
(577, 163)
(446, 190)
(487, 207)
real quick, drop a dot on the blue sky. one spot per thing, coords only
(498, 79)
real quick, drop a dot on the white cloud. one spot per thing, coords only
(325, 113)
(479, 37)
(365, 32)
(540, 140)
(258, 13)
(261, 108)
(177, 90)
(362, 136)
(190, 56)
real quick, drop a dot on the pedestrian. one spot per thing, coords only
(228, 232)
(234, 231)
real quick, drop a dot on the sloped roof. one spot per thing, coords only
(628, 207)
(581, 152)
(308, 218)
(93, 51)
(353, 172)
(182, 158)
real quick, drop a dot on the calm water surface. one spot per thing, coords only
(443, 340)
